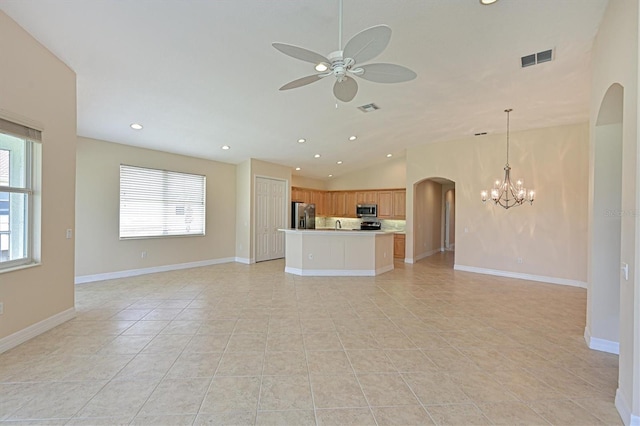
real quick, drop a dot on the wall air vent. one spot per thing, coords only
(537, 58)
(368, 107)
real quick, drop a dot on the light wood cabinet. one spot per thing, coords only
(350, 204)
(329, 207)
(398, 246)
(300, 195)
(399, 203)
(317, 198)
(367, 197)
(338, 203)
(385, 204)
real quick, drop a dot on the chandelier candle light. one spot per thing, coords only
(506, 193)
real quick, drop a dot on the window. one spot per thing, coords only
(160, 203)
(19, 153)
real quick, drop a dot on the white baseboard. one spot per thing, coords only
(521, 276)
(601, 345)
(337, 272)
(244, 260)
(625, 410)
(15, 339)
(164, 268)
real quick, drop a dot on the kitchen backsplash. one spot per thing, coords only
(352, 223)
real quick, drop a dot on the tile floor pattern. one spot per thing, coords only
(249, 344)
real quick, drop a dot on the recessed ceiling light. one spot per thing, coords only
(330, 175)
(322, 67)
(389, 155)
(316, 156)
(297, 168)
(338, 162)
(353, 138)
(226, 147)
(302, 140)
(136, 126)
(487, 2)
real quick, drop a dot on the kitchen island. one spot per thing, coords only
(329, 252)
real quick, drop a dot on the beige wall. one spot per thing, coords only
(98, 248)
(388, 174)
(550, 236)
(427, 208)
(615, 60)
(38, 90)
(304, 182)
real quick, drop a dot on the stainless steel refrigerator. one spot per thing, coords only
(303, 216)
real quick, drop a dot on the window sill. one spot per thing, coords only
(20, 267)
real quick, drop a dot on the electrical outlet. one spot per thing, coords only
(1, 308)
(520, 260)
(310, 256)
(69, 234)
(143, 254)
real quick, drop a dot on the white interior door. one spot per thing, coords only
(270, 216)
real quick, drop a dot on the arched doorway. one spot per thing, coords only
(602, 331)
(433, 217)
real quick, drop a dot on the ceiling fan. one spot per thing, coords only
(343, 64)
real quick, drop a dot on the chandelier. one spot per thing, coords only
(505, 193)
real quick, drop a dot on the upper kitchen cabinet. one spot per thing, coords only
(300, 195)
(391, 204)
(399, 203)
(317, 198)
(350, 204)
(367, 197)
(385, 204)
(338, 203)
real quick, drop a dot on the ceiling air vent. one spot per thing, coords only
(368, 107)
(537, 58)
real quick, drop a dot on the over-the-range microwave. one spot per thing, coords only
(367, 210)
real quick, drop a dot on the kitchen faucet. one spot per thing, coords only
(338, 225)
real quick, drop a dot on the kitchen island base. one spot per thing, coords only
(338, 252)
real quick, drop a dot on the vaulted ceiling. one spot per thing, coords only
(202, 74)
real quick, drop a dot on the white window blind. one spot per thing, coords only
(160, 203)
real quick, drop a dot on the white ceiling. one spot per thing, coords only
(201, 74)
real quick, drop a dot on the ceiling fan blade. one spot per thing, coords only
(346, 89)
(367, 44)
(302, 81)
(386, 73)
(300, 53)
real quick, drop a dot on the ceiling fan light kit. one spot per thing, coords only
(343, 64)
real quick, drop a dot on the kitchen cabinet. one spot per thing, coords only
(367, 197)
(329, 207)
(385, 204)
(398, 246)
(300, 195)
(338, 203)
(317, 198)
(399, 203)
(350, 204)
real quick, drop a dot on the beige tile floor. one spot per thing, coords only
(249, 344)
